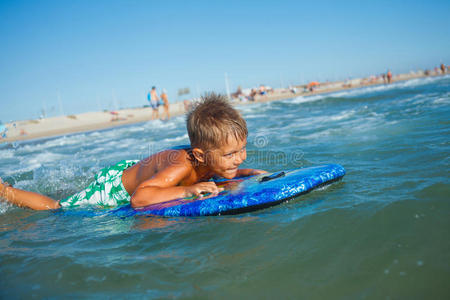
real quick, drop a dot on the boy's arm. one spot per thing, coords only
(163, 187)
(249, 172)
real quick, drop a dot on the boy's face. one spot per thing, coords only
(225, 160)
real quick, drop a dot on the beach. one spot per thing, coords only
(90, 121)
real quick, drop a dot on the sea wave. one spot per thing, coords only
(305, 99)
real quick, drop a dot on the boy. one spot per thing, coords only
(218, 136)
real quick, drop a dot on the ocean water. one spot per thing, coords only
(383, 232)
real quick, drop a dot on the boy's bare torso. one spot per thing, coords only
(179, 160)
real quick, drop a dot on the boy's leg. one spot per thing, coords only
(26, 199)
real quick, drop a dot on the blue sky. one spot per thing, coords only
(77, 56)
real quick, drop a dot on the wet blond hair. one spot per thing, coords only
(212, 120)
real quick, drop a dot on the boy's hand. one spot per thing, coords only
(201, 188)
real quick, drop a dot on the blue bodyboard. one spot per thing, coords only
(245, 194)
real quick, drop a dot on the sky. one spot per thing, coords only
(68, 57)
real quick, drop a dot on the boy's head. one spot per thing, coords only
(213, 121)
(218, 135)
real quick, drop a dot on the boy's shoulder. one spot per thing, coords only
(178, 163)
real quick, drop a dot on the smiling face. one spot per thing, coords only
(218, 136)
(225, 160)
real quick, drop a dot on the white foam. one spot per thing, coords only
(253, 116)
(158, 124)
(445, 100)
(379, 88)
(255, 107)
(362, 90)
(305, 99)
(76, 139)
(136, 129)
(318, 121)
(430, 100)
(343, 115)
(6, 153)
(63, 141)
(4, 206)
(176, 139)
(32, 162)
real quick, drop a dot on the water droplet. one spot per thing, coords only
(402, 273)
(386, 271)
(420, 263)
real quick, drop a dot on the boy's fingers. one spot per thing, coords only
(207, 188)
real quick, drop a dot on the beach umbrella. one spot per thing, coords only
(313, 83)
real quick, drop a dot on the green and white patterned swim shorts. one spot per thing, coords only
(105, 191)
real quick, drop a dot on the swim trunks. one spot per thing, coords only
(106, 190)
(154, 105)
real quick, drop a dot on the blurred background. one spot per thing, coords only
(69, 57)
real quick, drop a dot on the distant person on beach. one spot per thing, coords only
(262, 90)
(165, 103)
(252, 96)
(237, 94)
(389, 76)
(153, 99)
(443, 68)
(187, 105)
(3, 130)
(218, 139)
(293, 89)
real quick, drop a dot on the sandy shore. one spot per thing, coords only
(61, 125)
(56, 126)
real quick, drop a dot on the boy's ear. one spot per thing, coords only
(199, 155)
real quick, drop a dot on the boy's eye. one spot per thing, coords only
(230, 155)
